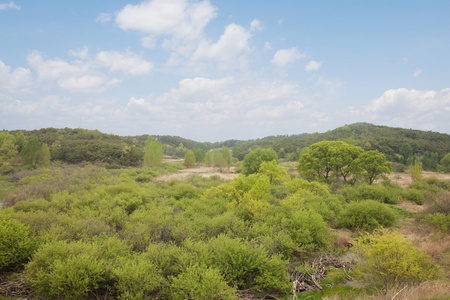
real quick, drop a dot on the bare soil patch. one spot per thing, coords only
(404, 179)
(201, 171)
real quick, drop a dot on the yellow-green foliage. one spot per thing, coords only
(16, 245)
(200, 282)
(67, 269)
(315, 187)
(276, 173)
(136, 277)
(387, 259)
(247, 265)
(416, 172)
(367, 215)
(439, 220)
(107, 230)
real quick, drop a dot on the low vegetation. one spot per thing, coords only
(337, 229)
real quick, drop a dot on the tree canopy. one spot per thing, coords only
(253, 160)
(328, 160)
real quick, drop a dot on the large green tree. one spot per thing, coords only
(406, 151)
(445, 162)
(43, 158)
(189, 159)
(30, 152)
(253, 160)
(9, 156)
(226, 154)
(153, 153)
(328, 159)
(373, 164)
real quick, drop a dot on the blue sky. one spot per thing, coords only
(218, 70)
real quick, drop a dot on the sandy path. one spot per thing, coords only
(200, 171)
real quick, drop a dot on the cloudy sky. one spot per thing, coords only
(217, 70)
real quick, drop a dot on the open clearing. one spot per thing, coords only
(207, 172)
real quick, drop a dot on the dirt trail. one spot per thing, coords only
(200, 171)
(404, 179)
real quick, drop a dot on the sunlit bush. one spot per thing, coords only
(388, 260)
(367, 215)
(16, 244)
(66, 270)
(246, 265)
(200, 282)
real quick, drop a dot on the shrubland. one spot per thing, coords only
(75, 232)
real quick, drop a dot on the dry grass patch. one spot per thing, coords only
(436, 244)
(207, 172)
(439, 289)
(410, 206)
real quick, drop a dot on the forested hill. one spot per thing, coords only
(387, 140)
(78, 145)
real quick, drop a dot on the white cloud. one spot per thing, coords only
(284, 111)
(284, 57)
(86, 75)
(229, 49)
(181, 20)
(148, 42)
(54, 69)
(255, 25)
(275, 92)
(11, 5)
(313, 65)
(129, 62)
(204, 102)
(87, 83)
(19, 80)
(417, 73)
(104, 18)
(268, 46)
(409, 109)
(80, 53)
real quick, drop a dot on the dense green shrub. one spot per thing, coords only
(413, 195)
(439, 220)
(417, 185)
(16, 244)
(370, 192)
(329, 207)
(66, 270)
(367, 215)
(200, 282)
(389, 260)
(253, 160)
(247, 266)
(136, 277)
(169, 258)
(305, 226)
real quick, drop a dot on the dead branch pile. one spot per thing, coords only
(14, 288)
(253, 295)
(310, 280)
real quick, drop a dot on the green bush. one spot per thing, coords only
(417, 186)
(367, 215)
(136, 277)
(200, 282)
(388, 260)
(439, 220)
(432, 180)
(371, 192)
(247, 266)
(16, 244)
(413, 195)
(66, 270)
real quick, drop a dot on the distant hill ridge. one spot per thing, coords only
(76, 145)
